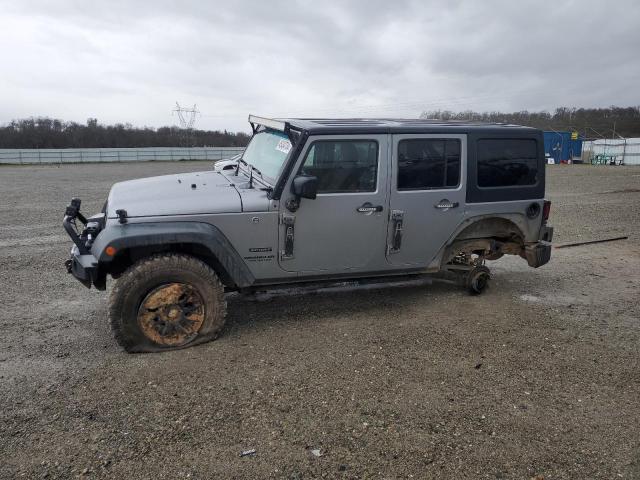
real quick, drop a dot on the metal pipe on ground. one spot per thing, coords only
(590, 242)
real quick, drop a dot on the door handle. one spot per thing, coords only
(445, 204)
(369, 208)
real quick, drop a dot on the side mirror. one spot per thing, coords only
(305, 186)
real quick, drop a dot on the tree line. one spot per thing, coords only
(43, 132)
(588, 122)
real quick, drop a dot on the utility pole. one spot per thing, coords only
(187, 118)
(614, 131)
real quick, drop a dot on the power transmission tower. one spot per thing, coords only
(187, 118)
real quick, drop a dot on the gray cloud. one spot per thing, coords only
(125, 61)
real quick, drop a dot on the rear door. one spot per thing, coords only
(427, 195)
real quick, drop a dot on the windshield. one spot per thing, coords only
(266, 151)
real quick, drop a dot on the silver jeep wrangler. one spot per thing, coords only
(312, 200)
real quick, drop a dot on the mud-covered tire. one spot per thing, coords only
(166, 302)
(478, 280)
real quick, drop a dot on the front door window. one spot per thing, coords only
(343, 166)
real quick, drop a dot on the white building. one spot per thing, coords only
(626, 151)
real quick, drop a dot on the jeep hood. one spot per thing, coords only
(181, 194)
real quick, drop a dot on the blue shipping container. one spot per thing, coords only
(561, 147)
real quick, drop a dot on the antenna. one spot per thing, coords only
(187, 118)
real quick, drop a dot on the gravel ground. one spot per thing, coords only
(537, 378)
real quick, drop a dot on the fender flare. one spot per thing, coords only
(518, 219)
(131, 235)
(515, 218)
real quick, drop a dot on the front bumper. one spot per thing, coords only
(84, 268)
(81, 263)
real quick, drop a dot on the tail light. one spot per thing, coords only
(546, 210)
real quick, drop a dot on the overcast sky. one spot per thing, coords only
(129, 62)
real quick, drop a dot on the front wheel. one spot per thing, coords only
(166, 302)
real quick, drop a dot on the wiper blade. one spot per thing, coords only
(238, 164)
(249, 165)
(251, 169)
(256, 170)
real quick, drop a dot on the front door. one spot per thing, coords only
(427, 195)
(344, 228)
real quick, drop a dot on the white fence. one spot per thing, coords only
(86, 155)
(626, 150)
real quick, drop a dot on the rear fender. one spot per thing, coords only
(480, 233)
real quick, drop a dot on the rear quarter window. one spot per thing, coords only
(507, 162)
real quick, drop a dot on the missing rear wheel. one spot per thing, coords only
(478, 279)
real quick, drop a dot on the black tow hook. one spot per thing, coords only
(67, 264)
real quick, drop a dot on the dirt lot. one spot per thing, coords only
(538, 377)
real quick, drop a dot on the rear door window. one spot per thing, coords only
(507, 162)
(428, 163)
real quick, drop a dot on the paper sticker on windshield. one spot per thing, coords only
(283, 146)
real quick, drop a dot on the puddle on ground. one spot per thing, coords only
(554, 299)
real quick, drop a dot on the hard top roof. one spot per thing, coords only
(325, 126)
